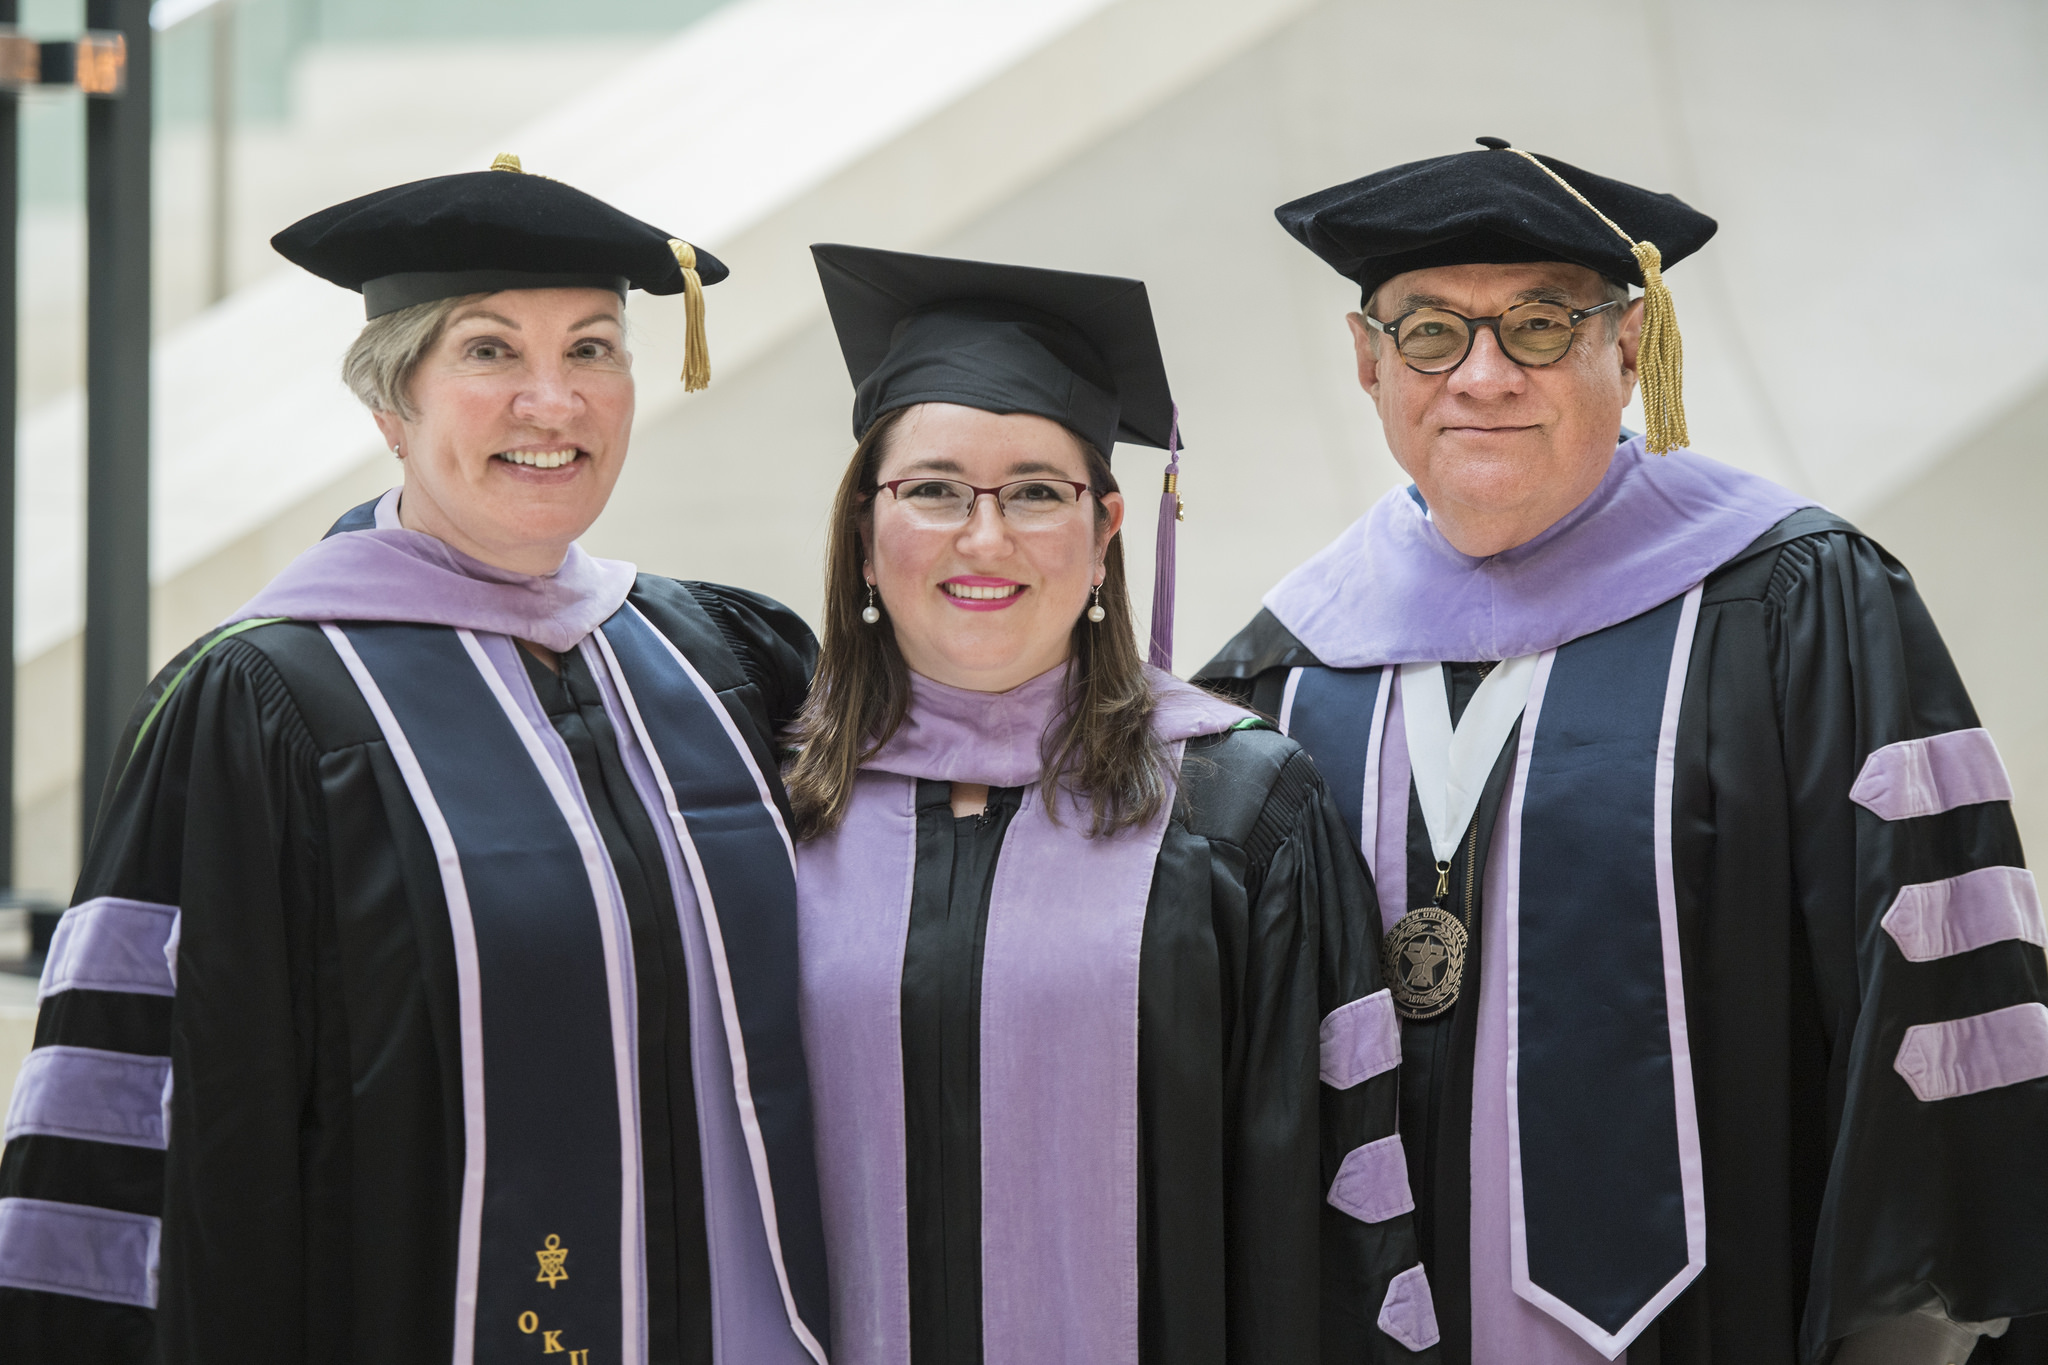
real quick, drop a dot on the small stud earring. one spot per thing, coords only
(871, 613)
(1095, 611)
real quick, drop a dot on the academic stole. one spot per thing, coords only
(1607, 1213)
(550, 1241)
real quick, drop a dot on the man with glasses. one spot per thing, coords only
(1724, 1015)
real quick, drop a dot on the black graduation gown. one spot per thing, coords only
(1832, 1194)
(310, 1192)
(1258, 924)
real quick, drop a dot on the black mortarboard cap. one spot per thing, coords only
(1079, 349)
(1487, 207)
(483, 231)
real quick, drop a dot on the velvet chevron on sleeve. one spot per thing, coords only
(211, 858)
(1927, 940)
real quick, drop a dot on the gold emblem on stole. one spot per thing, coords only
(551, 1258)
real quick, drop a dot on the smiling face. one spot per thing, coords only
(1501, 451)
(992, 603)
(522, 412)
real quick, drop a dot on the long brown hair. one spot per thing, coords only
(1100, 750)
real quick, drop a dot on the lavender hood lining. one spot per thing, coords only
(392, 574)
(1392, 590)
(951, 734)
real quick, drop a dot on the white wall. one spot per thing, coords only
(1969, 527)
(1849, 188)
(1869, 162)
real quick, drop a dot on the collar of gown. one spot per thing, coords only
(391, 574)
(950, 734)
(1392, 590)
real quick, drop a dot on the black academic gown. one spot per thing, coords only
(310, 1192)
(1259, 923)
(1832, 1195)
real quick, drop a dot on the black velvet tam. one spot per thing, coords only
(1487, 207)
(1079, 349)
(480, 232)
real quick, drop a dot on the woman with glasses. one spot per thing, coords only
(1099, 1052)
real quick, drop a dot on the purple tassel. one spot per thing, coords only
(1163, 555)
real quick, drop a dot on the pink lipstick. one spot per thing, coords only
(973, 592)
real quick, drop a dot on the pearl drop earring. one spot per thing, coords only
(871, 613)
(1095, 611)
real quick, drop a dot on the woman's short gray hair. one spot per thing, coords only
(378, 368)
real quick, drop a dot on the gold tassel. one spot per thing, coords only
(507, 161)
(696, 345)
(1660, 364)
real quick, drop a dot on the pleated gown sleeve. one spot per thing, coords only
(215, 819)
(1303, 1264)
(1925, 938)
(776, 651)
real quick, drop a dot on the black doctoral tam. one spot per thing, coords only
(1490, 207)
(483, 231)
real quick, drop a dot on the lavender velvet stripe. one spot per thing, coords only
(1928, 776)
(1931, 920)
(748, 1318)
(1287, 700)
(1390, 814)
(1059, 1091)
(1408, 1313)
(1372, 1182)
(1360, 1040)
(111, 944)
(853, 898)
(1392, 590)
(76, 1249)
(84, 1092)
(1981, 1052)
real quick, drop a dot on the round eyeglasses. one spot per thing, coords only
(1027, 504)
(1437, 341)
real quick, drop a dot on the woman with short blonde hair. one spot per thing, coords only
(430, 994)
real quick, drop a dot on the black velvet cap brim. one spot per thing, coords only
(492, 225)
(1487, 208)
(1078, 349)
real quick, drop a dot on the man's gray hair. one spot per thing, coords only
(379, 366)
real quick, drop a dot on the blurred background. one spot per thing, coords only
(1867, 328)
